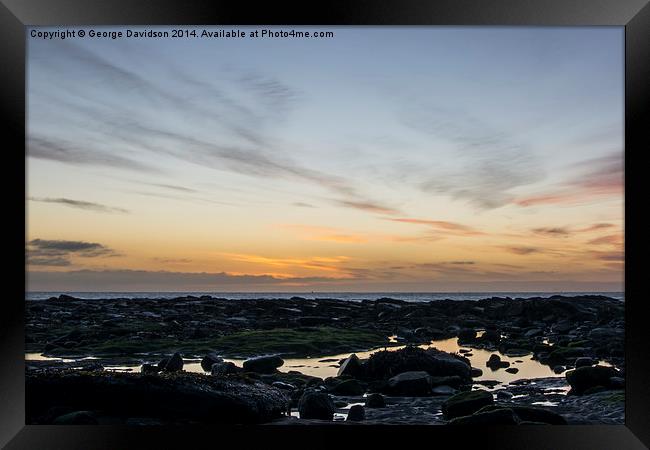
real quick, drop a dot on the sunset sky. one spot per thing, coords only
(382, 159)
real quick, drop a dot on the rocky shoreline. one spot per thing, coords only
(580, 338)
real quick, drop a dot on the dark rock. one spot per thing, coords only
(504, 395)
(512, 370)
(375, 401)
(357, 413)
(224, 368)
(559, 369)
(263, 364)
(584, 362)
(476, 372)
(495, 363)
(533, 332)
(465, 403)
(351, 366)
(529, 414)
(386, 364)
(466, 335)
(409, 384)
(149, 369)
(617, 382)
(347, 387)
(76, 418)
(175, 363)
(283, 385)
(491, 336)
(181, 397)
(443, 390)
(209, 360)
(496, 417)
(587, 377)
(316, 405)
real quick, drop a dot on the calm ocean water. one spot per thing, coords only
(350, 296)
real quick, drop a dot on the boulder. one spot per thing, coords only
(209, 360)
(76, 418)
(529, 414)
(584, 378)
(584, 362)
(375, 401)
(465, 403)
(357, 413)
(443, 390)
(178, 399)
(316, 405)
(351, 366)
(174, 364)
(224, 368)
(263, 364)
(496, 417)
(495, 362)
(386, 364)
(347, 387)
(512, 370)
(149, 369)
(476, 372)
(491, 336)
(409, 384)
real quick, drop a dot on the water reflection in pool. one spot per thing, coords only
(327, 366)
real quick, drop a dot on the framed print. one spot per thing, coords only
(383, 222)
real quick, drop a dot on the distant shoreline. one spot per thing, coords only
(345, 296)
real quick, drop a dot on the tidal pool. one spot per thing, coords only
(327, 365)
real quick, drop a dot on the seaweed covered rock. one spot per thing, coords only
(387, 364)
(466, 403)
(175, 397)
(316, 405)
(584, 378)
(263, 364)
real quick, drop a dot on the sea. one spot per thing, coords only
(349, 296)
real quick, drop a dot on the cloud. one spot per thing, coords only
(156, 281)
(303, 205)
(596, 178)
(596, 226)
(441, 225)
(612, 239)
(172, 187)
(368, 206)
(552, 231)
(331, 234)
(56, 149)
(491, 162)
(523, 250)
(239, 110)
(59, 252)
(81, 204)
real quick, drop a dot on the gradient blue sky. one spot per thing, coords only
(400, 158)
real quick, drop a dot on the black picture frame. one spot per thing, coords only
(15, 15)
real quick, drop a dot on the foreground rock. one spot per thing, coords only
(387, 364)
(466, 403)
(586, 378)
(263, 364)
(174, 398)
(316, 405)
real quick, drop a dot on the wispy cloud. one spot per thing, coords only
(368, 206)
(597, 178)
(43, 252)
(79, 204)
(523, 250)
(492, 163)
(143, 280)
(552, 231)
(241, 114)
(441, 225)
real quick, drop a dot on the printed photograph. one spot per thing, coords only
(314, 225)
